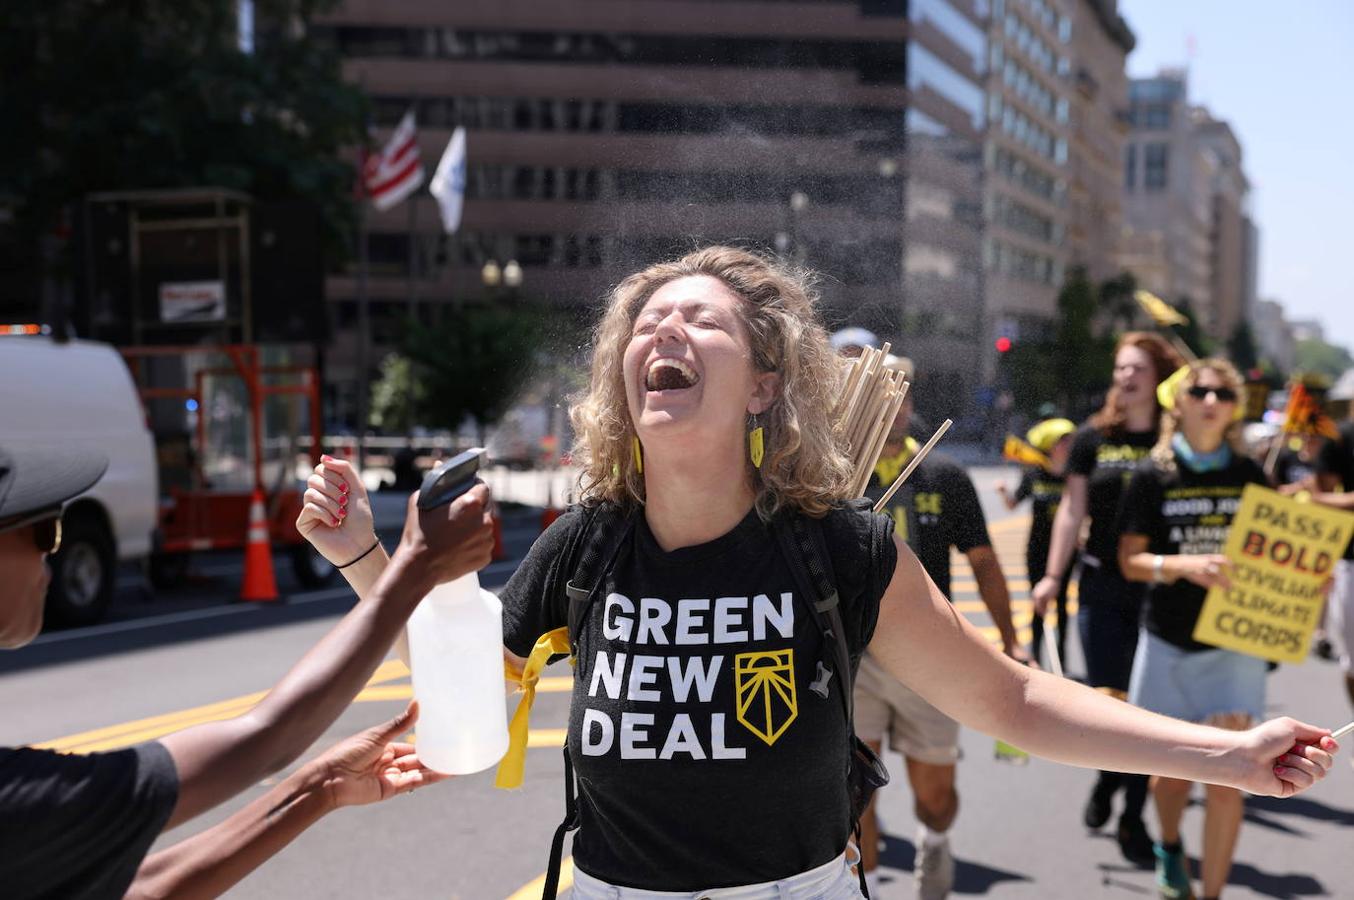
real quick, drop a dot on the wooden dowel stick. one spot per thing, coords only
(853, 373)
(921, 454)
(865, 465)
(1055, 659)
(1274, 450)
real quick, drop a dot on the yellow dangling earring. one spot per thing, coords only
(638, 453)
(756, 443)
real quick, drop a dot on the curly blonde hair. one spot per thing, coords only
(1163, 453)
(805, 466)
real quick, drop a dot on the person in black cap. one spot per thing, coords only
(78, 826)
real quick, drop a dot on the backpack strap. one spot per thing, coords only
(595, 547)
(805, 550)
(604, 532)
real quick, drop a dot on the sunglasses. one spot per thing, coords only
(1224, 394)
(46, 529)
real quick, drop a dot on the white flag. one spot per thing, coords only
(448, 184)
(397, 170)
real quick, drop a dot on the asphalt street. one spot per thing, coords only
(167, 661)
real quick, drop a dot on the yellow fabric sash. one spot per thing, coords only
(510, 768)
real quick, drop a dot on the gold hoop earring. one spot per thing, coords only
(637, 452)
(756, 443)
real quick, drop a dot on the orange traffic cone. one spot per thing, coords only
(259, 584)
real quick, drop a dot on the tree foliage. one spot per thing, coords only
(1241, 348)
(1330, 360)
(1075, 362)
(475, 363)
(1190, 332)
(100, 96)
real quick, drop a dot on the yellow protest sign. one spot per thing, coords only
(1282, 551)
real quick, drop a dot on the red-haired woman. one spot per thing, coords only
(1104, 453)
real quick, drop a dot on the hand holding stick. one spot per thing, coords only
(921, 454)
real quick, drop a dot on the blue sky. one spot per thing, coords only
(1282, 75)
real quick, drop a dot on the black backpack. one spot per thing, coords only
(606, 527)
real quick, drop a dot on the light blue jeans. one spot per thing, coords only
(831, 881)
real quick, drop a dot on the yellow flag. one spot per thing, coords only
(1161, 312)
(1017, 451)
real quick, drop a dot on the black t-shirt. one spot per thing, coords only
(1291, 468)
(1045, 492)
(1336, 457)
(705, 755)
(1106, 463)
(78, 826)
(1183, 512)
(936, 508)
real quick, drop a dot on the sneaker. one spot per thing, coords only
(1172, 876)
(1134, 843)
(933, 869)
(1097, 810)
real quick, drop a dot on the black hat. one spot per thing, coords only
(34, 478)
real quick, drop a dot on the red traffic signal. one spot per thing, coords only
(1003, 344)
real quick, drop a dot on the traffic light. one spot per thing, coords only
(1003, 344)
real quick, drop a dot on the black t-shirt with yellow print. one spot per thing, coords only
(1107, 463)
(1045, 492)
(936, 508)
(710, 749)
(1183, 511)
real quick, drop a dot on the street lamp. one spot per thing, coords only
(507, 277)
(788, 242)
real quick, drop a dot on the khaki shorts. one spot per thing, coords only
(915, 728)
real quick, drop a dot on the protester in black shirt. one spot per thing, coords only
(1103, 455)
(935, 510)
(1333, 486)
(77, 826)
(1174, 520)
(1043, 486)
(701, 724)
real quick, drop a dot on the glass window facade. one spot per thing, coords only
(1156, 160)
(924, 68)
(954, 24)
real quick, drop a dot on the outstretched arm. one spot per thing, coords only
(925, 642)
(1066, 529)
(365, 768)
(217, 760)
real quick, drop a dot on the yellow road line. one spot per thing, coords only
(532, 891)
(125, 734)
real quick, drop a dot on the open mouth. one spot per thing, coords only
(670, 375)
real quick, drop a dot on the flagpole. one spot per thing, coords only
(413, 256)
(363, 321)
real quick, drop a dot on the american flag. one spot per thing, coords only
(397, 170)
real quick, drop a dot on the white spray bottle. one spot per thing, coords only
(456, 653)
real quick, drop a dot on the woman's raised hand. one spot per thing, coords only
(1283, 757)
(336, 517)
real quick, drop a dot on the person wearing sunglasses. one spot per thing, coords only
(1173, 523)
(79, 826)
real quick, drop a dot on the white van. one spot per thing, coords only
(80, 394)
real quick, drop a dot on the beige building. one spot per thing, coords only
(1098, 128)
(1028, 91)
(605, 135)
(1274, 335)
(1186, 234)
